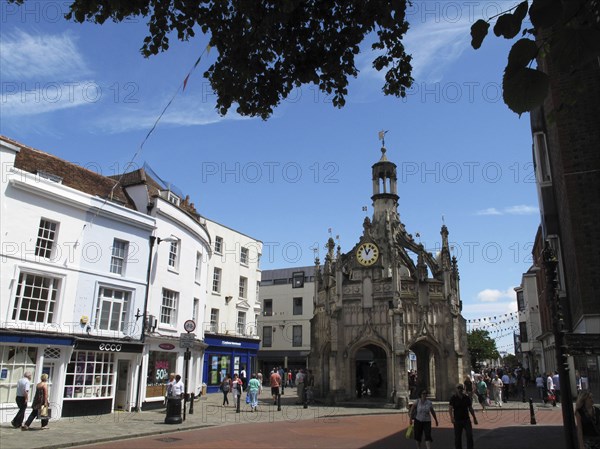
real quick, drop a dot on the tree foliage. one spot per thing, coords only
(565, 31)
(266, 48)
(481, 347)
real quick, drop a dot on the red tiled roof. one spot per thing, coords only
(74, 176)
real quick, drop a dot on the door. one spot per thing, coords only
(122, 397)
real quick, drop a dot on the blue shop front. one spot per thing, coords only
(228, 355)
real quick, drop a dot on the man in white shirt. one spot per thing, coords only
(23, 386)
(505, 386)
(178, 388)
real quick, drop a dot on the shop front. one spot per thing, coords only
(100, 377)
(34, 353)
(165, 356)
(228, 355)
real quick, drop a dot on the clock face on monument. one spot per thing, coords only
(367, 254)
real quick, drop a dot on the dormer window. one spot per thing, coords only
(172, 198)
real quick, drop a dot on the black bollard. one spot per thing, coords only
(237, 405)
(173, 411)
(191, 403)
(304, 399)
(278, 402)
(531, 412)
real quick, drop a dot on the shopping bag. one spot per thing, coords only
(409, 432)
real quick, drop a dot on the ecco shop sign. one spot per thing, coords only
(110, 347)
(107, 346)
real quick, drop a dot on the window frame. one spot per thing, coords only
(295, 342)
(268, 307)
(241, 322)
(45, 243)
(123, 313)
(198, 269)
(218, 244)
(244, 256)
(295, 307)
(217, 278)
(267, 342)
(51, 301)
(117, 257)
(173, 261)
(172, 308)
(214, 320)
(243, 287)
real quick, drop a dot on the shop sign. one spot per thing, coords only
(107, 346)
(166, 346)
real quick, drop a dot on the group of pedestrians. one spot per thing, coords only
(237, 386)
(40, 404)
(461, 411)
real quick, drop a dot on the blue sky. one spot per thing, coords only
(84, 93)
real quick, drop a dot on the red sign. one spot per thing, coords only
(167, 346)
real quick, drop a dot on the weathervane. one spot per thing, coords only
(382, 134)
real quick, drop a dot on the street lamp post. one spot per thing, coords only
(151, 241)
(558, 328)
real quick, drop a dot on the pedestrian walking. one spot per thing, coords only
(237, 388)
(459, 408)
(225, 387)
(498, 386)
(587, 418)
(40, 404)
(539, 383)
(254, 389)
(482, 392)
(275, 382)
(300, 376)
(23, 386)
(422, 411)
(556, 382)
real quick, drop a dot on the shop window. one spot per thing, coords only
(220, 366)
(14, 361)
(90, 375)
(160, 364)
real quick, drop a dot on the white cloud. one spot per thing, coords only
(493, 295)
(435, 46)
(521, 209)
(54, 58)
(20, 99)
(489, 211)
(184, 111)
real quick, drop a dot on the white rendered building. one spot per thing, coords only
(73, 275)
(232, 304)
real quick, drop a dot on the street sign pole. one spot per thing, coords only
(187, 341)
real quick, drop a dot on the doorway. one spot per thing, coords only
(122, 395)
(371, 372)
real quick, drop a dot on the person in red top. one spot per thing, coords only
(275, 381)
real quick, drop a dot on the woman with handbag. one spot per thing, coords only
(420, 414)
(40, 404)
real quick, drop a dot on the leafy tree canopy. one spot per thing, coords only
(565, 31)
(481, 347)
(266, 48)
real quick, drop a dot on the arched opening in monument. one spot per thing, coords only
(371, 372)
(427, 370)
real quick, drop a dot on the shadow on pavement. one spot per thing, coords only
(546, 437)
